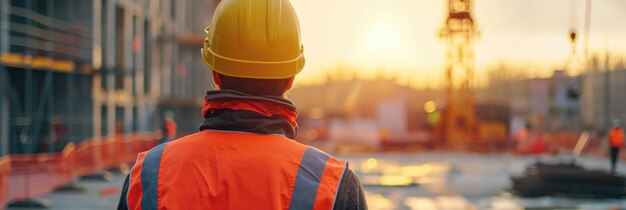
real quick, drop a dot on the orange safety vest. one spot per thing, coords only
(616, 137)
(234, 170)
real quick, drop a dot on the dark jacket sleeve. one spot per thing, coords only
(122, 205)
(350, 195)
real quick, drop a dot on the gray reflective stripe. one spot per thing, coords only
(308, 179)
(150, 178)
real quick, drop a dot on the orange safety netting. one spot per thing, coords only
(31, 175)
(5, 164)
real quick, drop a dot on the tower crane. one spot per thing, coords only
(459, 124)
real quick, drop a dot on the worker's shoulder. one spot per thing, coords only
(315, 155)
(202, 139)
(185, 140)
(213, 137)
(219, 134)
(187, 137)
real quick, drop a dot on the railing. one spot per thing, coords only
(31, 175)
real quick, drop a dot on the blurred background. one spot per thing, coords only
(435, 103)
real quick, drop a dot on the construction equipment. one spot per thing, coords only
(569, 179)
(459, 124)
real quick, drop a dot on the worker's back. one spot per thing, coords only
(234, 170)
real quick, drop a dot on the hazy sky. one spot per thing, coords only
(401, 35)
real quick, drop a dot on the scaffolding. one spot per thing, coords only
(72, 70)
(44, 75)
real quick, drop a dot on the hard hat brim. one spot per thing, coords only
(252, 69)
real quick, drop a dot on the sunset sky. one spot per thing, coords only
(400, 36)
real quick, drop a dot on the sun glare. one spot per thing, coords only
(381, 39)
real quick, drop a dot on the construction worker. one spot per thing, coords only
(244, 156)
(522, 139)
(169, 128)
(616, 140)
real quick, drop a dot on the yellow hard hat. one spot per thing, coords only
(257, 39)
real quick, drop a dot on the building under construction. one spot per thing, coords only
(77, 69)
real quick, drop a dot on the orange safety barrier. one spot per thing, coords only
(563, 140)
(5, 164)
(37, 174)
(33, 175)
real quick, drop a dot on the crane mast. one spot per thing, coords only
(459, 124)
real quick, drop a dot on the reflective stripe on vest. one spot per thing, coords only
(150, 178)
(309, 178)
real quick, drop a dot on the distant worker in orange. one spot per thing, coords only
(169, 127)
(245, 156)
(522, 139)
(616, 140)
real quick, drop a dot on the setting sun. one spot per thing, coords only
(382, 39)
